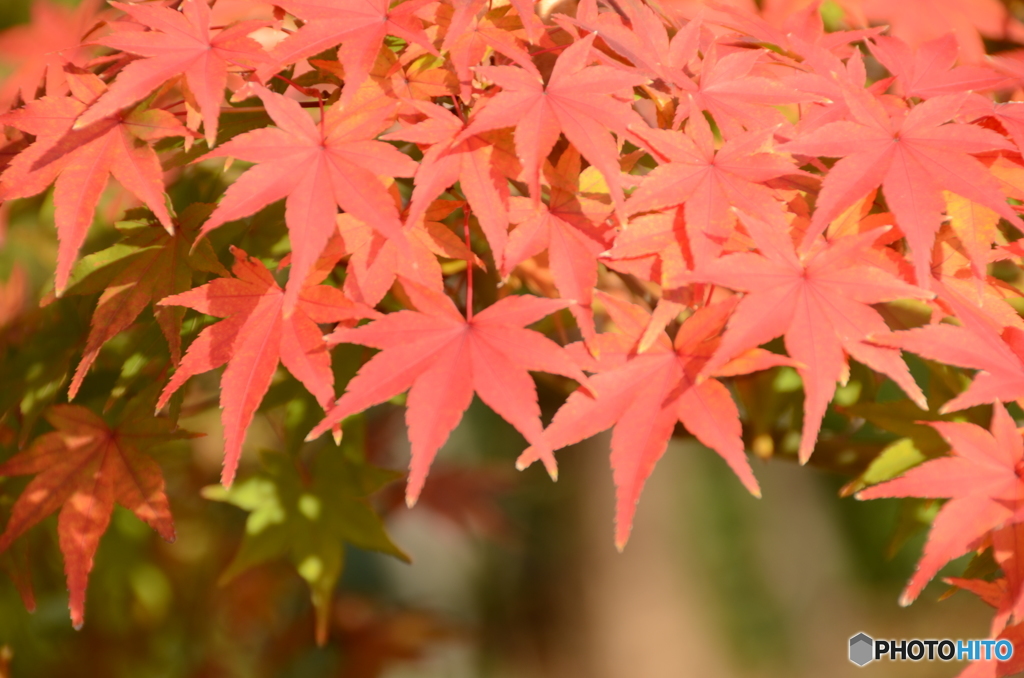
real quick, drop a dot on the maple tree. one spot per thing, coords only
(660, 210)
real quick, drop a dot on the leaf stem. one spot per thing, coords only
(711, 293)
(469, 265)
(556, 48)
(458, 107)
(253, 109)
(308, 91)
(320, 103)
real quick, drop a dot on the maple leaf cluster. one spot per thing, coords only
(678, 201)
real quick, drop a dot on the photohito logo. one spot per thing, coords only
(865, 649)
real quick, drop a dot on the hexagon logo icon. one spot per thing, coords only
(862, 649)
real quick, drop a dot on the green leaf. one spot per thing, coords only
(35, 366)
(903, 418)
(309, 519)
(135, 421)
(141, 237)
(896, 458)
(147, 265)
(915, 515)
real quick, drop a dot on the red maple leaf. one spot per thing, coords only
(794, 28)
(358, 26)
(734, 91)
(976, 344)
(1004, 594)
(1007, 553)
(181, 43)
(571, 227)
(580, 101)
(377, 261)
(643, 395)
(442, 357)
(644, 40)
(1010, 114)
(468, 43)
(708, 183)
(408, 78)
(968, 20)
(914, 156)
(83, 468)
(727, 87)
(318, 168)
(929, 70)
(981, 479)
(820, 302)
(81, 160)
(996, 593)
(470, 161)
(655, 247)
(37, 51)
(255, 336)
